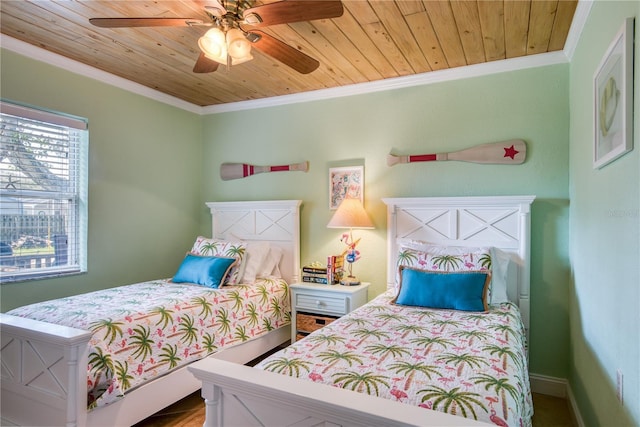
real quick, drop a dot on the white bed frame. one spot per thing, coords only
(44, 366)
(242, 396)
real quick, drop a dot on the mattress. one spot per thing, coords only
(470, 364)
(145, 330)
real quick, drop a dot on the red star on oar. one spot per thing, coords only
(510, 152)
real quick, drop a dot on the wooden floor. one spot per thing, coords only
(189, 412)
(550, 412)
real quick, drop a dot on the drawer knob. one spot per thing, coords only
(319, 303)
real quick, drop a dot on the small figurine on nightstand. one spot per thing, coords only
(351, 254)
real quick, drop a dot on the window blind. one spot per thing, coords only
(43, 193)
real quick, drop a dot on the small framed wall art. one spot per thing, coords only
(613, 99)
(345, 182)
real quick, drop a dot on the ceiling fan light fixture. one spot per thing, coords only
(240, 60)
(238, 46)
(213, 45)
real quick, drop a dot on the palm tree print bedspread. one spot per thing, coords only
(468, 364)
(144, 330)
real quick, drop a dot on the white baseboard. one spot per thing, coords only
(573, 408)
(557, 387)
(549, 386)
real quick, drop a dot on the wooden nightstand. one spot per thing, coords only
(314, 306)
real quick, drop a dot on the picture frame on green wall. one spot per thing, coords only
(613, 99)
(345, 182)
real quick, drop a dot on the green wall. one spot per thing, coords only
(153, 166)
(144, 178)
(361, 130)
(604, 243)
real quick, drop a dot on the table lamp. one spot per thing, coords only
(350, 214)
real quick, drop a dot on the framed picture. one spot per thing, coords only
(613, 99)
(346, 182)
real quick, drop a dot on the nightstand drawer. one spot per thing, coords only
(312, 322)
(326, 303)
(314, 306)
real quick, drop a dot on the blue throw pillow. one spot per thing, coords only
(202, 270)
(461, 290)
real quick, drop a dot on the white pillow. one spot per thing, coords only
(500, 267)
(271, 264)
(257, 252)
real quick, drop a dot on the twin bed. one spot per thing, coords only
(397, 360)
(387, 363)
(137, 340)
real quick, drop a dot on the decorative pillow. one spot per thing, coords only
(427, 256)
(257, 252)
(271, 264)
(464, 290)
(499, 273)
(222, 248)
(204, 270)
(255, 256)
(451, 260)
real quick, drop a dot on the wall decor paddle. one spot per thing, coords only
(230, 171)
(512, 152)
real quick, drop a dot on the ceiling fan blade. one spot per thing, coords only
(286, 11)
(144, 22)
(284, 53)
(205, 65)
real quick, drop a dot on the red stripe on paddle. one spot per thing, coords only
(247, 170)
(422, 158)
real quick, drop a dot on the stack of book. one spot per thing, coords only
(329, 274)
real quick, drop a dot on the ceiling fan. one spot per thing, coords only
(232, 34)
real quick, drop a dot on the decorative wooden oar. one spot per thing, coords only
(242, 170)
(512, 152)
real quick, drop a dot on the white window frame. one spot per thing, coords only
(76, 197)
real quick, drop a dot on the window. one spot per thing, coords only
(43, 193)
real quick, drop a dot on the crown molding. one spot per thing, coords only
(577, 25)
(431, 77)
(73, 66)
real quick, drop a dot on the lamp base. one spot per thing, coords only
(350, 281)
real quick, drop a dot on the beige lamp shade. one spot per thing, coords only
(350, 214)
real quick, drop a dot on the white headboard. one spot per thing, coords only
(502, 222)
(275, 221)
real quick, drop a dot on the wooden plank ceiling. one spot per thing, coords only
(371, 41)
